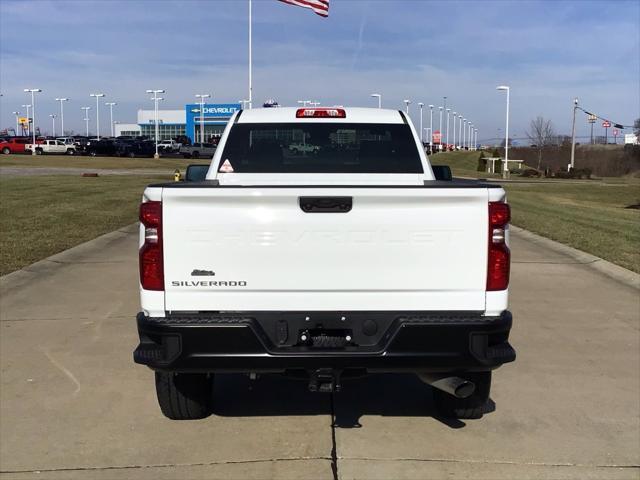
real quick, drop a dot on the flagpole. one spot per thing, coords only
(250, 61)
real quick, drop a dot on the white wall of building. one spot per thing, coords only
(126, 128)
(164, 116)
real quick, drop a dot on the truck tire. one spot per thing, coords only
(38, 151)
(71, 151)
(195, 154)
(6, 151)
(470, 407)
(184, 396)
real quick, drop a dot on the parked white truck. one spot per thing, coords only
(354, 260)
(51, 146)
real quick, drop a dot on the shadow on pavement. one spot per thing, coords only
(273, 395)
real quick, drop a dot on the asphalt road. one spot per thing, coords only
(73, 404)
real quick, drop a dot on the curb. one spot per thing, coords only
(47, 265)
(609, 269)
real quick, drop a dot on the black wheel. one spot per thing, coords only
(93, 154)
(195, 154)
(71, 151)
(6, 151)
(131, 155)
(184, 396)
(470, 407)
(38, 151)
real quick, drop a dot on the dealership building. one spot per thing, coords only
(172, 123)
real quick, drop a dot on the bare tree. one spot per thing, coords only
(541, 133)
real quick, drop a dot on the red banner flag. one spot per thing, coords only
(320, 7)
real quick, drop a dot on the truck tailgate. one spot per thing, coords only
(254, 248)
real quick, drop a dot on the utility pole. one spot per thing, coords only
(421, 104)
(573, 134)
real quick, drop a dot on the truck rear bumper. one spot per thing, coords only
(375, 341)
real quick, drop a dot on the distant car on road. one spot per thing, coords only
(14, 145)
(50, 146)
(198, 150)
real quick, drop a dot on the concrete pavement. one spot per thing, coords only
(73, 405)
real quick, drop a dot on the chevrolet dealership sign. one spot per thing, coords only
(212, 114)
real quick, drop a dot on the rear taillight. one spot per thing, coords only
(321, 113)
(151, 262)
(499, 255)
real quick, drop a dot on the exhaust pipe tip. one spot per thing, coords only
(456, 386)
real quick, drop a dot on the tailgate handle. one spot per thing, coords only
(326, 204)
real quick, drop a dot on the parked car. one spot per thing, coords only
(168, 146)
(102, 147)
(198, 150)
(136, 149)
(14, 145)
(50, 147)
(358, 259)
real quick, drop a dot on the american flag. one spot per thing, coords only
(321, 7)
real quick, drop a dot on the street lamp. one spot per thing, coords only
(447, 137)
(62, 113)
(440, 129)
(469, 145)
(430, 129)
(155, 99)
(202, 97)
(97, 96)
(505, 169)
(379, 97)
(86, 117)
(28, 119)
(33, 91)
(53, 119)
(464, 134)
(17, 114)
(110, 105)
(454, 132)
(407, 102)
(421, 137)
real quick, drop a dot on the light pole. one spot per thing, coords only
(379, 97)
(460, 131)
(61, 100)
(17, 114)
(440, 129)
(110, 105)
(98, 96)
(28, 119)
(202, 96)
(407, 103)
(156, 99)
(447, 142)
(421, 104)
(243, 104)
(464, 134)
(53, 120)
(430, 129)
(573, 133)
(86, 117)
(469, 144)
(476, 138)
(505, 170)
(454, 131)
(33, 91)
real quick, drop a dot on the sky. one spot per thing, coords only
(548, 52)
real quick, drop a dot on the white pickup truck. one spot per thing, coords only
(354, 260)
(51, 146)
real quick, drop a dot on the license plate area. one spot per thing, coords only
(321, 338)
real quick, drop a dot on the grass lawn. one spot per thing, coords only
(587, 216)
(43, 215)
(463, 163)
(77, 161)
